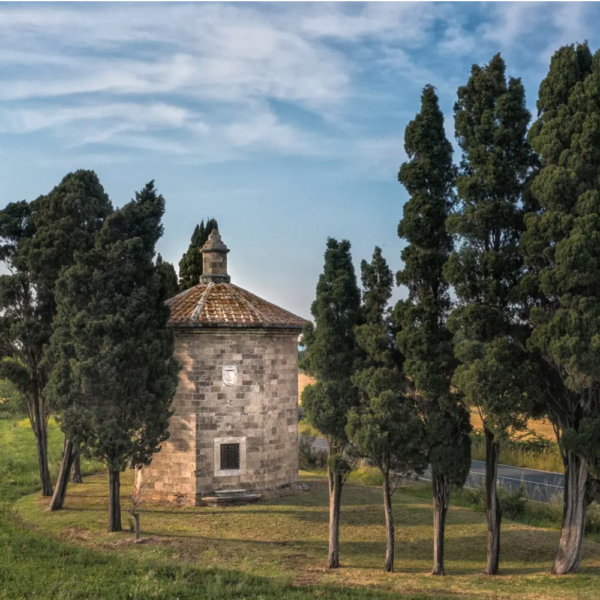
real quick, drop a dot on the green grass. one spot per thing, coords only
(38, 566)
(516, 507)
(274, 549)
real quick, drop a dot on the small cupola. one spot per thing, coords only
(214, 259)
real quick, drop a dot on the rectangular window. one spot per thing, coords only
(230, 457)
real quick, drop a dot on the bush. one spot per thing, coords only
(366, 475)
(512, 502)
(309, 457)
(11, 404)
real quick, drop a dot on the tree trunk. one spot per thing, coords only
(440, 489)
(389, 523)
(76, 470)
(114, 501)
(494, 515)
(568, 555)
(41, 441)
(330, 479)
(136, 516)
(58, 499)
(335, 498)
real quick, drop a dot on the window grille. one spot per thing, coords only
(230, 457)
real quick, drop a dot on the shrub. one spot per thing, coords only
(512, 502)
(366, 475)
(11, 404)
(309, 457)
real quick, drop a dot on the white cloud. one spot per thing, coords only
(138, 116)
(219, 78)
(215, 52)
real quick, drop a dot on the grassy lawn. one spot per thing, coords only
(271, 550)
(37, 566)
(285, 541)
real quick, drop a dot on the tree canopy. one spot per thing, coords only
(562, 250)
(167, 270)
(331, 356)
(485, 268)
(114, 373)
(424, 340)
(385, 427)
(331, 350)
(39, 240)
(190, 265)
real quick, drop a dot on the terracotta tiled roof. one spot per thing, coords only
(211, 304)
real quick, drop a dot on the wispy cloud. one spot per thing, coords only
(200, 80)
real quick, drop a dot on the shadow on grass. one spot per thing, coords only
(461, 554)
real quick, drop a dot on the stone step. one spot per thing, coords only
(231, 498)
(230, 492)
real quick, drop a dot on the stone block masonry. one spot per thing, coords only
(236, 386)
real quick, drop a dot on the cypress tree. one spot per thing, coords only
(424, 340)
(385, 428)
(114, 374)
(167, 270)
(66, 222)
(190, 265)
(331, 355)
(562, 250)
(39, 240)
(485, 270)
(76, 469)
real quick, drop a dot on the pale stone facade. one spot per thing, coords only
(238, 386)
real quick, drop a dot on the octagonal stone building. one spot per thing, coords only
(235, 412)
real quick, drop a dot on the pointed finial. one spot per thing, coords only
(214, 259)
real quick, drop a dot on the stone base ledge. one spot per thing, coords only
(184, 500)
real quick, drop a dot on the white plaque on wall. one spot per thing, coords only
(230, 375)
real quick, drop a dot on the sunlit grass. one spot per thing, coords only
(273, 550)
(285, 540)
(38, 565)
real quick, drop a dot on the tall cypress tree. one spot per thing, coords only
(190, 265)
(167, 270)
(66, 222)
(491, 126)
(114, 374)
(562, 250)
(39, 240)
(429, 177)
(331, 357)
(385, 428)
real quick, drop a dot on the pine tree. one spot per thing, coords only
(39, 240)
(114, 374)
(385, 428)
(331, 356)
(485, 270)
(424, 340)
(562, 250)
(190, 265)
(167, 270)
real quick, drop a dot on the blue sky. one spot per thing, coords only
(283, 121)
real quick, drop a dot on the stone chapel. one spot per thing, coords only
(235, 412)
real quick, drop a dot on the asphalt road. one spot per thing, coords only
(539, 485)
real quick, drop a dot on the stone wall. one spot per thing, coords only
(259, 411)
